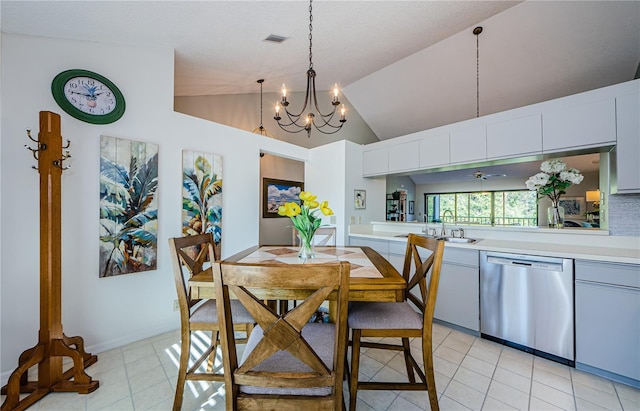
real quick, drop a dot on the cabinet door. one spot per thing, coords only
(513, 138)
(434, 151)
(375, 162)
(587, 125)
(458, 299)
(628, 144)
(608, 328)
(404, 157)
(468, 145)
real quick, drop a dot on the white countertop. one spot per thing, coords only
(596, 248)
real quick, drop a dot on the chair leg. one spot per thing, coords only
(355, 365)
(406, 350)
(215, 335)
(427, 355)
(182, 370)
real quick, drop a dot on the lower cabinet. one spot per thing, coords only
(608, 319)
(458, 299)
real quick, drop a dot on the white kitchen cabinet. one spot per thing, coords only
(434, 151)
(404, 157)
(608, 319)
(582, 126)
(375, 162)
(515, 138)
(468, 145)
(627, 151)
(458, 300)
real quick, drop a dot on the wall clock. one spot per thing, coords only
(88, 96)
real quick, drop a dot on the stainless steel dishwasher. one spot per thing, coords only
(527, 302)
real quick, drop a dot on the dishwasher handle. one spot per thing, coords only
(526, 263)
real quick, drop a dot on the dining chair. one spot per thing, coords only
(191, 255)
(324, 236)
(288, 362)
(411, 318)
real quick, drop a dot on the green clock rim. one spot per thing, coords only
(57, 89)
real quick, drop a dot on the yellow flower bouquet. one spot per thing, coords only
(306, 220)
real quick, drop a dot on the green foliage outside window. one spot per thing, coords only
(515, 208)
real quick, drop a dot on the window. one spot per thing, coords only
(487, 208)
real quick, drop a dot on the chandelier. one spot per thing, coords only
(295, 123)
(260, 129)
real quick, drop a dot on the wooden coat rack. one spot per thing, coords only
(52, 343)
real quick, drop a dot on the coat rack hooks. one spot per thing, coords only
(42, 146)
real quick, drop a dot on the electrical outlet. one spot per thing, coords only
(176, 307)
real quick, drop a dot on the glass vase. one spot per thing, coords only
(555, 216)
(307, 251)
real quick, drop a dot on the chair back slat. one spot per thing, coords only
(422, 263)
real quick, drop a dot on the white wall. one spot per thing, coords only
(112, 311)
(374, 187)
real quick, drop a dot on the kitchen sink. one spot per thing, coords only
(447, 239)
(458, 240)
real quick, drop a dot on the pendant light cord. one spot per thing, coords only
(477, 32)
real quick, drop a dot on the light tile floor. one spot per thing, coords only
(471, 373)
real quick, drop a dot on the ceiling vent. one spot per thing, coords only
(275, 38)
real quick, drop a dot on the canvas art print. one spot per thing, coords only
(202, 195)
(128, 206)
(278, 192)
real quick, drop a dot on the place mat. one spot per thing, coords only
(361, 266)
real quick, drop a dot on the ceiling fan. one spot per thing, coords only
(479, 175)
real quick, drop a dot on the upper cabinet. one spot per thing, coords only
(627, 152)
(595, 120)
(375, 162)
(434, 151)
(513, 138)
(404, 157)
(468, 145)
(581, 126)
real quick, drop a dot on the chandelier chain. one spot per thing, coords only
(310, 35)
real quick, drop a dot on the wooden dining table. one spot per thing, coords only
(372, 277)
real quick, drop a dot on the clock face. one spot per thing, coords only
(88, 96)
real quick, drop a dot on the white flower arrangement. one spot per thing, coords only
(554, 179)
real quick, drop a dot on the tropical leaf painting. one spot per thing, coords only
(128, 206)
(202, 195)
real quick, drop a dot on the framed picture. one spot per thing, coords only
(277, 192)
(411, 207)
(574, 207)
(359, 199)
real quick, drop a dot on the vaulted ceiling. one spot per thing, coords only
(404, 65)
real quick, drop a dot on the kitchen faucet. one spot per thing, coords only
(444, 214)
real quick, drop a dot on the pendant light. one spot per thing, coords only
(260, 129)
